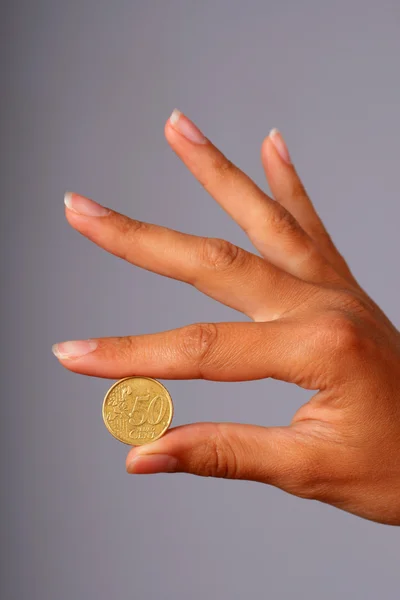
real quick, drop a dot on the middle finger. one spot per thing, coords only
(214, 266)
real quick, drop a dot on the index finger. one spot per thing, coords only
(228, 351)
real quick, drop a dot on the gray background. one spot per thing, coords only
(86, 89)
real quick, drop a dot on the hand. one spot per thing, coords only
(312, 325)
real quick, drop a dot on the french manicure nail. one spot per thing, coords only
(74, 349)
(188, 129)
(152, 463)
(84, 206)
(280, 145)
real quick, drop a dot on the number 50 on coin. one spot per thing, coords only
(137, 410)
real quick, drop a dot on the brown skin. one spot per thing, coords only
(312, 325)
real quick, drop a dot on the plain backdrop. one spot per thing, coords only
(86, 88)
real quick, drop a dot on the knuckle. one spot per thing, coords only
(353, 303)
(222, 166)
(346, 335)
(120, 348)
(297, 189)
(218, 254)
(221, 169)
(198, 340)
(281, 221)
(340, 335)
(219, 458)
(129, 227)
(126, 234)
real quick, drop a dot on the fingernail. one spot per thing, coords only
(152, 463)
(188, 129)
(74, 349)
(279, 143)
(84, 206)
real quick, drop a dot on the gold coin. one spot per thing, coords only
(137, 410)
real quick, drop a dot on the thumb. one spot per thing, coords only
(280, 456)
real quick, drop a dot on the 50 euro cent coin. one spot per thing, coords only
(137, 410)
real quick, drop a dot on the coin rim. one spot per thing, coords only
(137, 377)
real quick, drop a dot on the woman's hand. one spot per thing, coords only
(312, 325)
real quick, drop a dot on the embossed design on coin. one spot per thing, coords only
(137, 410)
